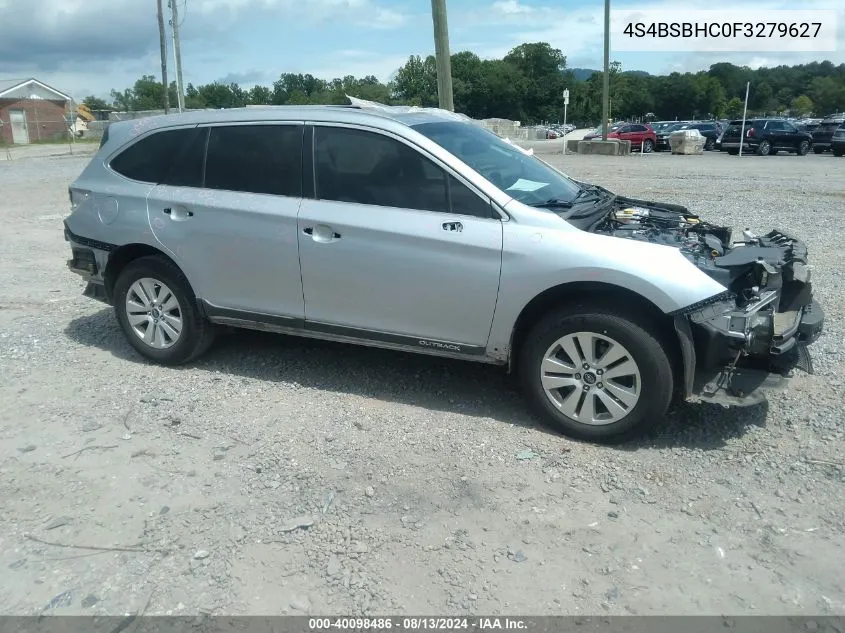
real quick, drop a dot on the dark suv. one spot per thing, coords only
(765, 137)
(710, 130)
(824, 133)
(837, 142)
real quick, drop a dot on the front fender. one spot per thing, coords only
(536, 259)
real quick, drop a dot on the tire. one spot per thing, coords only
(647, 373)
(648, 146)
(838, 152)
(764, 148)
(733, 152)
(803, 148)
(818, 150)
(157, 278)
(709, 144)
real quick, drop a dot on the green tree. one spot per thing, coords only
(259, 95)
(95, 103)
(802, 106)
(734, 107)
(416, 81)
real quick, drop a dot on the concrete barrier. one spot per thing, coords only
(610, 147)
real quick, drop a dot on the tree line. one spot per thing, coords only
(527, 85)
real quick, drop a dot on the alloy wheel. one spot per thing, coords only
(154, 313)
(591, 378)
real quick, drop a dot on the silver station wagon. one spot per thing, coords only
(418, 230)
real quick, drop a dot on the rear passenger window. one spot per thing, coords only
(150, 159)
(369, 168)
(256, 159)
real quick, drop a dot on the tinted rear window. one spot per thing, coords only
(149, 160)
(256, 159)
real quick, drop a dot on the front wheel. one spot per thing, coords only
(709, 144)
(733, 152)
(648, 146)
(595, 375)
(838, 152)
(803, 148)
(157, 311)
(818, 150)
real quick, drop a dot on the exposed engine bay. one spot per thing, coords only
(766, 318)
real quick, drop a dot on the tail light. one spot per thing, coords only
(750, 133)
(77, 196)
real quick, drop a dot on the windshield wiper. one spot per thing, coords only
(554, 203)
(568, 204)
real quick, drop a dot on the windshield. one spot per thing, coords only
(521, 176)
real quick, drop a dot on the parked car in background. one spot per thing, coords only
(766, 137)
(837, 142)
(823, 134)
(641, 136)
(659, 126)
(597, 133)
(661, 141)
(808, 125)
(416, 231)
(709, 130)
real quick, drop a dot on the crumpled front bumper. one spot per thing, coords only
(747, 380)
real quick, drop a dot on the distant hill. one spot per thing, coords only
(582, 74)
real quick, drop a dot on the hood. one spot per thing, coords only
(773, 260)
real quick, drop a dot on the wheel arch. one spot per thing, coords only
(123, 256)
(621, 299)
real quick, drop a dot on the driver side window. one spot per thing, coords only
(361, 167)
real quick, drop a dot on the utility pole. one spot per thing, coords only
(162, 40)
(177, 53)
(605, 100)
(441, 51)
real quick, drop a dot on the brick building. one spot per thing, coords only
(32, 111)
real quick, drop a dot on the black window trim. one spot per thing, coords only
(494, 208)
(261, 122)
(118, 151)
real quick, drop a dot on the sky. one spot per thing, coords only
(84, 47)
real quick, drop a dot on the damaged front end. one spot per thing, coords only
(749, 339)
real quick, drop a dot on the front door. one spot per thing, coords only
(235, 234)
(20, 132)
(395, 247)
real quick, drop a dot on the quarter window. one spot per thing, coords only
(369, 168)
(149, 160)
(255, 159)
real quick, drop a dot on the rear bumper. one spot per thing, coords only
(89, 259)
(735, 145)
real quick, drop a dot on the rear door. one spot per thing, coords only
(396, 248)
(228, 217)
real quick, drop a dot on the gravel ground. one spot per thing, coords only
(279, 475)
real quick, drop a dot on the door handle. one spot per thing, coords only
(453, 226)
(322, 234)
(179, 214)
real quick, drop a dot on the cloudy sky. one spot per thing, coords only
(90, 46)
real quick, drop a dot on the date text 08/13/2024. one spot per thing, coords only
(416, 624)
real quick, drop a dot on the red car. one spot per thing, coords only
(641, 135)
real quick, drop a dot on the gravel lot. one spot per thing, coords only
(279, 475)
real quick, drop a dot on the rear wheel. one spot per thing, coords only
(157, 311)
(818, 150)
(709, 144)
(648, 146)
(803, 148)
(839, 152)
(733, 151)
(595, 375)
(764, 148)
